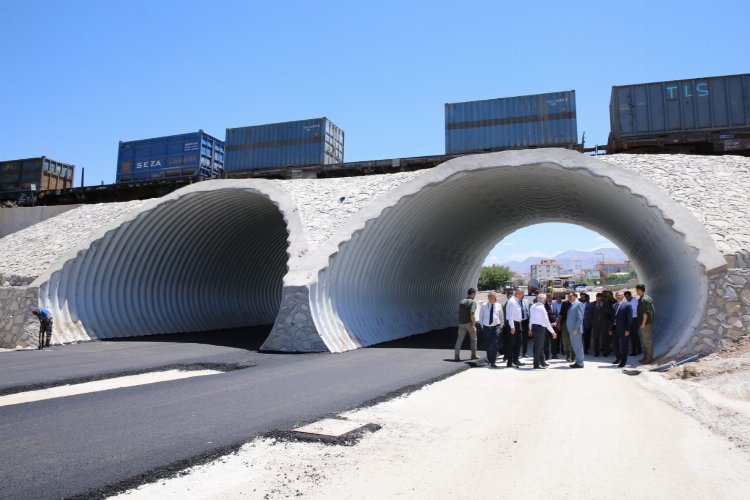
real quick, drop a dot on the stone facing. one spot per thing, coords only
(18, 327)
(727, 315)
(294, 329)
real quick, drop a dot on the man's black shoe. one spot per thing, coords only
(621, 365)
(616, 362)
(575, 365)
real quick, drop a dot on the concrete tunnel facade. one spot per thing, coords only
(396, 268)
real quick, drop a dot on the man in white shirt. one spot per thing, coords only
(514, 317)
(539, 326)
(491, 318)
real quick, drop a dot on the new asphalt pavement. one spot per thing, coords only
(94, 444)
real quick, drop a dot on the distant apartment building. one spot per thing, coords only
(612, 266)
(546, 269)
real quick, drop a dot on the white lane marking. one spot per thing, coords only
(101, 385)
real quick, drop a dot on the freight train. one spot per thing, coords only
(701, 116)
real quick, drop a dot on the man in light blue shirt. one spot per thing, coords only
(45, 326)
(574, 322)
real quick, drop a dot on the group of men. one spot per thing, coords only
(617, 322)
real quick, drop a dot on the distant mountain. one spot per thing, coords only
(570, 259)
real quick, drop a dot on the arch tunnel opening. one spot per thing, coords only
(404, 272)
(206, 267)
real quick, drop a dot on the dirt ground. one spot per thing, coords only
(715, 390)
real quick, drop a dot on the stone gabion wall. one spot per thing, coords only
(294, 324)
(18, 327)
(739, 259)
(728, 314)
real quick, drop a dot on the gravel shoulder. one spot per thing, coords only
(516, 433)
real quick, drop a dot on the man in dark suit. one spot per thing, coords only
(600, 321)
(587, 326)
(622, 320)
(562, 320)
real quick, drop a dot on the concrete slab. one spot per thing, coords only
(330, 427)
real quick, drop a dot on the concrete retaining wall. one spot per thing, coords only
(17, 218)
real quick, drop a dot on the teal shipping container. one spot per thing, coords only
(298, 143)
(530, 121)
(713, 110)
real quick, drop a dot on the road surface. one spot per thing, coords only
(517, 434)
(73, 445)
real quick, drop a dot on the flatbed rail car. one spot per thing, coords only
(127, 191)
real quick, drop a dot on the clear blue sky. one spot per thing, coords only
(76, 77)
(546, 240)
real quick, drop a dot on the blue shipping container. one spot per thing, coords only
(195, 154)
(719, 103)
(290, 144)
(542, 120)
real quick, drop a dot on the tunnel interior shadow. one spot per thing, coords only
(249, 338)
(435, 339)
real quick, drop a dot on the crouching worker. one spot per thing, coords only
(45, 326)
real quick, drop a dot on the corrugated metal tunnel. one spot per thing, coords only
(405, 270)
(207, 260)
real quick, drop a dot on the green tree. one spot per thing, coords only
(492, 277)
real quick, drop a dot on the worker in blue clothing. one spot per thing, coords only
(45, 326)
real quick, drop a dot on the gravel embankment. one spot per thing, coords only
(326, 204)
(29, 252)
(713, 188)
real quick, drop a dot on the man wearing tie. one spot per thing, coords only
(540, 325)
(600, 322)
(574, 326)
(622, 319)
(523, 341)
(514, 318)
(491, 318)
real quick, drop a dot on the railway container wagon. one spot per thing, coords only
(699, 115)
(279, 145)
(35, 174)
(195, 155)
(531, 121)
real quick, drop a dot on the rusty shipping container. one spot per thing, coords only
(710, 114)
(35, 174)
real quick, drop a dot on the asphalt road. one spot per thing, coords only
(75, 445)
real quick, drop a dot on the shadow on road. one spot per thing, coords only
(249, 338)
(444, 339)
